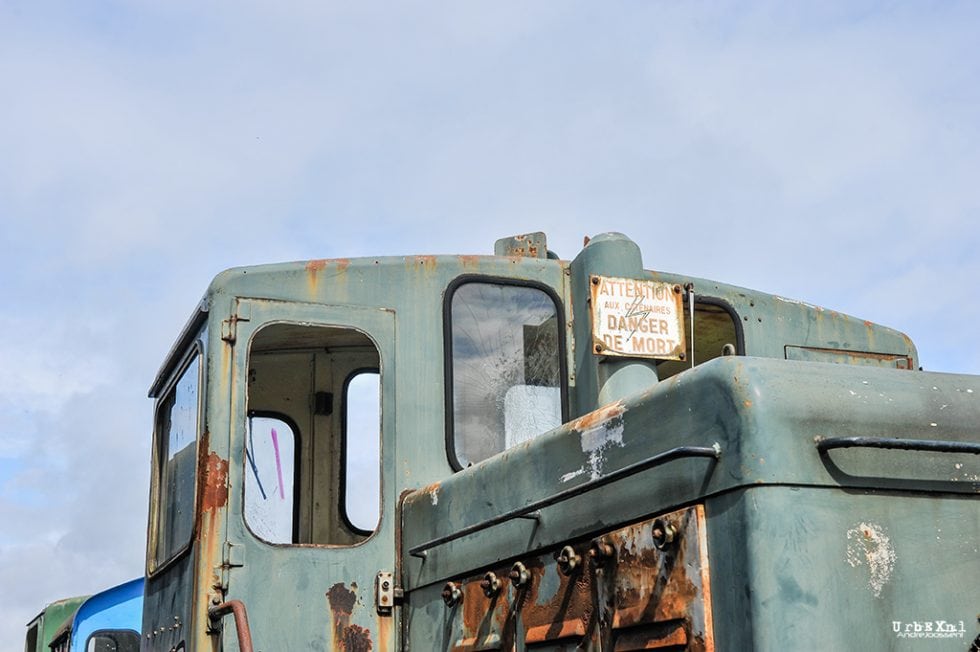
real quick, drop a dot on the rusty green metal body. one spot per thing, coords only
(52, 621)
(776, 476)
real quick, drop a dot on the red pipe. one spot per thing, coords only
(237, 608)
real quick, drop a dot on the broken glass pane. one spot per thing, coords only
(506, 368)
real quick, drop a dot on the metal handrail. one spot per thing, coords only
(529, 511)
(934, 445)
(237, 608)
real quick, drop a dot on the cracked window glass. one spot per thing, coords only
(270, 453)
(506, 378)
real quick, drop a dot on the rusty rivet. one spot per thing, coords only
(595, 280)
(663, 534)
(598, 348)
(519, 575)
(682, 355)
(568, 560)
(452, 595)
(490, 585)
(601, 551)
(677, 289)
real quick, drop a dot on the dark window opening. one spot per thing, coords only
(123, 640)
(717, 332)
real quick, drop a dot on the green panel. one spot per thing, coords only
(55, 617)
(797, 568)
(766, 416)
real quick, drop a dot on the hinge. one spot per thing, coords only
(386, 594)
(232, 555)
(229, 327)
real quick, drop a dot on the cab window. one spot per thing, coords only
(177, 419)
(313, 435)
(119, 640)
(505, 367)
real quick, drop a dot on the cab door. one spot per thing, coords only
(311, 502)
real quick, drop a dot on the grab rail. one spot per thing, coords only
(237, 608)
(933, 445)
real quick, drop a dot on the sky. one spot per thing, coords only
(822, 151)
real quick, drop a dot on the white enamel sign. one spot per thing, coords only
(637, 318)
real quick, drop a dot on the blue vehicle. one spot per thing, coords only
(110, 621)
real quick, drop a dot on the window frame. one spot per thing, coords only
(154, 565)
(371, 335)
(342, 507)
(447, 342)
(104, 632)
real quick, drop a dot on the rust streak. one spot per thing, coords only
(569, 612)
(346, 636)
(313, 269)
(315, 266)
(592, 419)
(384, 632)
(215, 493)
(430, 488)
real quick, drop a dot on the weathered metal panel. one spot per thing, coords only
(825, 569)
(635, 588)
(766, 416)
(900, 360)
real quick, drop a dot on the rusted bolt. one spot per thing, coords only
(452, 595)
(519, 575)
(682, 355)
(598, 347)
(663, 534)
(677, 289)
(595, 280)
(601, 551)
(568, 560)
(490, 585)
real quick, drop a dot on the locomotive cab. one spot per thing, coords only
(520, 452)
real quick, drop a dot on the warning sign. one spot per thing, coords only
(637, 318)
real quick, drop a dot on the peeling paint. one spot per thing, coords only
(215, 483)
(598, 432)
(347, 636)
(868, 545)
(597, 441)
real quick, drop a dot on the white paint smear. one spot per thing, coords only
(868, 545)
(596, 442)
